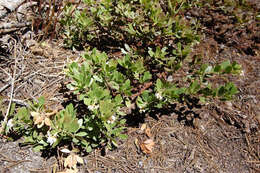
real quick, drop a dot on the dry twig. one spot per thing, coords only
(12, 90)
(15, 25)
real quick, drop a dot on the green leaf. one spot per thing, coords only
(67, 120)
(203, 68)
(28, 139)
(97, 78)
(131, 29)
(147, 97)
(88, 149)
(75, 140)
(126, 88)
(12, 109)
(23, 114)
(35, 134)
(122, 121)
(225, 64)
(150, 52)
(147, 76)
(89, 128)
(159, 84)
(221, 91)
(236, 68)
(123, 136)
(38, 148)
(107, 109)
(81, 134)
(125, 61)
(99, 93)
(56, 142)
(206, 91)
(118, 99)
(41, 100)
(227, 91)
(114, 143)
(228, 69)
(73, 127)
(202, 100)
(88, 101)
(118, 77)
(217, 68)
(194, 87)
(84, 142)
(43, 143)
(138, 66)
(231, 88)
(140, 103)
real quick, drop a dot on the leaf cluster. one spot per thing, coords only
(126, 20)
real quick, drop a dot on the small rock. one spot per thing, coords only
(229, 105)
(198, 124)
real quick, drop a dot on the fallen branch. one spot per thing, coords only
(6, 86)
(18, 102)
(2, 129)
(15, 25)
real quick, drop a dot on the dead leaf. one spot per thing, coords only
(148, 132)
(47, 121)
(72, 160)
(40, 119)
(35, 114)
(147, 146)
(49, 114)
(79, 159)
(143, 127)
(229, 105)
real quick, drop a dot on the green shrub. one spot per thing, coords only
(154, 41)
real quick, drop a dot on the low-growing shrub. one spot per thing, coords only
(154, 41)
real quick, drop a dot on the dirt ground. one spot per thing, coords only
(225, 137)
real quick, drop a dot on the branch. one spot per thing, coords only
(2, 129)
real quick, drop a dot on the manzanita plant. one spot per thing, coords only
(126, 20)
(141, 79)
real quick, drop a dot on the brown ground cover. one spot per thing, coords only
(224, 137)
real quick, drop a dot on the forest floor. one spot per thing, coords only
(225, 137)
